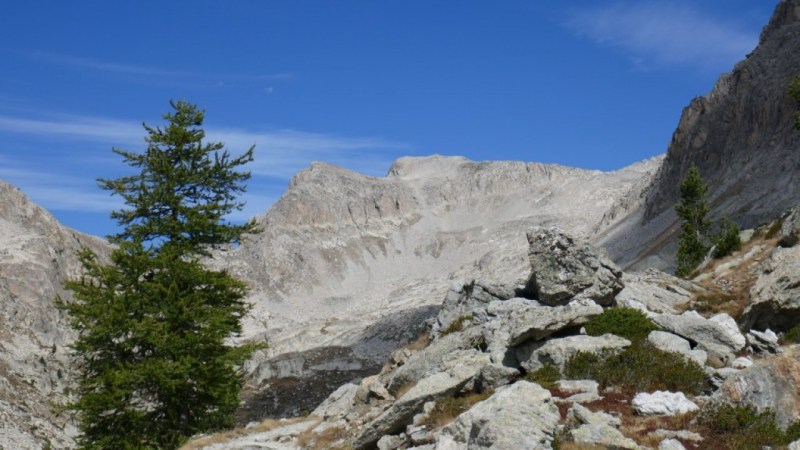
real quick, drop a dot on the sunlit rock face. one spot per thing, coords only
(36, 255)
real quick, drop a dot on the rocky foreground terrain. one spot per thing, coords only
(350, 268)
(499, 366)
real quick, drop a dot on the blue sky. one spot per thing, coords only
(592, 84)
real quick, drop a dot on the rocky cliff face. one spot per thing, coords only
(36, 255)
(741, 136)
(345, 258)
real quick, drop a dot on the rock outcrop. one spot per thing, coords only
(662, 403)
(564, 269)
(719, 336)
(522, 415)
(344, 254)
(36, 255)
(771, 383)
(776, 293)
(741, 136)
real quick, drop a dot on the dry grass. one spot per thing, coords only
(570, 445)
(422, 341)
(225, 436)
(729, 291)
(641, 428)
(324, 439)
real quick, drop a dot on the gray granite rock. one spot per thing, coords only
(790, 229)
(662, 403)
(671, 444)
(675, 344)
(770, 383)
(558, 351)
(521, 415)
(654, 291)
(719, 336)
(402, 411)
(763, 342)
(597, 428)
(775, 296)
(507, 324)
(564, 268)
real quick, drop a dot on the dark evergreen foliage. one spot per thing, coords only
(624, 322)
(693, 210)
(727, 239)
(794, 91)
(153, 358)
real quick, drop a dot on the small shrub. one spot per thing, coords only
(743, 427)
(774, 229)
(546, 376)
(792, 336)
(711, 302)
(626, 322)
(456, 326)
(640, 367)
(727, 239)
(448, 408)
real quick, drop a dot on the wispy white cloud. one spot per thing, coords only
(57, 191)
(665, 33)
(154, 73)
(279, 155)
(74, 127)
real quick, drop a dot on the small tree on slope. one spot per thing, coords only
(152, 360)
(794, 91)
(693, 210)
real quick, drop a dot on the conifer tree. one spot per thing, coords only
(794, 91)
(693, 210)
(153, 356)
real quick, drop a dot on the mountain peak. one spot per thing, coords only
(786, 13)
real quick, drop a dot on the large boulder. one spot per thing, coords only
(597, 429)
(507, 324)
(775, 296)
(338, 404)
(558, 351)
(522, 415)
(564, 268)
(770, 383)
(434, 358)
(719, 336)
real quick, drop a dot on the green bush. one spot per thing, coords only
(626, 322)
(640, 367)
(744, 428)
(546, 376)
(727, 239)
(774, 229)
(792, 336)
